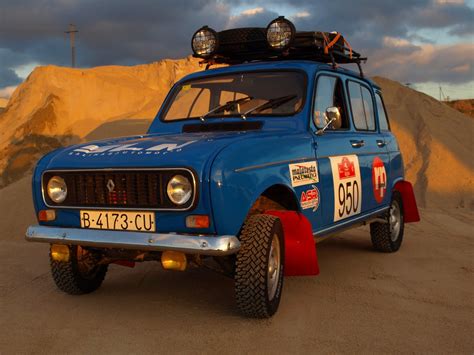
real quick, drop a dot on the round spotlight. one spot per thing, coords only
(179, 189)
(280, 33)
(204, 42)
(57, 189)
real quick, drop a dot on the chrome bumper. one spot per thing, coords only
(189, 244)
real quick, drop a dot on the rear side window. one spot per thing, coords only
(362, 107)
(383, 121)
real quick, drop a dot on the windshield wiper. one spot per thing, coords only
(225, 106)
(272, 103)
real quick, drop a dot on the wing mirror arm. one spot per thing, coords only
(320, 131)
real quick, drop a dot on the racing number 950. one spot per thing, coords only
(348, 195)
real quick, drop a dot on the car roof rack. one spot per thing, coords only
(251, 44)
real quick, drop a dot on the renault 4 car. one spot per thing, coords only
(244, 167)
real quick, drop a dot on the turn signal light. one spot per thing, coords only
(173, 260)
(46, 215)
(60, 252)
(197, 221)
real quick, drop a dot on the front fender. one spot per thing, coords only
(244, 170)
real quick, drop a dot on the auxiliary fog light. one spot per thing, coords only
(173, 260)
(204, 42)
(59, 252)
(280, 33)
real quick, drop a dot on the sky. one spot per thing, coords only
(426, 43)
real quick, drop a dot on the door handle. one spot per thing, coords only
(357, 143)
(381, 143)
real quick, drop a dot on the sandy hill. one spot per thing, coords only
(3, 102)
(57, 106)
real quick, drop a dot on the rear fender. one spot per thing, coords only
(300, 248)
(410, 208)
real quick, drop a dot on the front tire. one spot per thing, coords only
(387, 237)
(260, 267)
(81, 274)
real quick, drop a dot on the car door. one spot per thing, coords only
(372, 146)
(340, 184)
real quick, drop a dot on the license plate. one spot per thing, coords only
(119, 220)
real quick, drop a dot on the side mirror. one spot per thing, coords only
(333, 118)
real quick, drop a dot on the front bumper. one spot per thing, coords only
(189, 244)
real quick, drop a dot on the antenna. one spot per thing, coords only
(72, 32)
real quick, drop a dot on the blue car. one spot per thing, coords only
(244, 167)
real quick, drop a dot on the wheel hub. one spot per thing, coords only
(394, 220)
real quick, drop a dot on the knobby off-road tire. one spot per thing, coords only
(77, 277)
(387, 237)
(260, 267)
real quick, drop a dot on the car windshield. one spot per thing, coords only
(241, 94)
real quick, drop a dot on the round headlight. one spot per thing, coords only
(57, 189)
(179, 189)
(280, 33)
(204, 42)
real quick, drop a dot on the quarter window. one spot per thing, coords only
(362, 107)
(383, 121)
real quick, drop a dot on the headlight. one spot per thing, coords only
(57, 189)
(204, 42)
(179, 189)
(280, 33)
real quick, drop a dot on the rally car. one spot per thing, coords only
(245, 166)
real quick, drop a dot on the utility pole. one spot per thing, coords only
(72, 32)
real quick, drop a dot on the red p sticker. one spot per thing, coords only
(379, 179)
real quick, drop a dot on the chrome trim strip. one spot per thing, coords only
(252, 167)
(190, 244)
(355, 153)
(105, 208)
(342, 224)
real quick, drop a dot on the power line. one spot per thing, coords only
(72, 32)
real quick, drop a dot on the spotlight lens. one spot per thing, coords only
(280, 33)
(204, 42)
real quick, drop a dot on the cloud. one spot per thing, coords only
(125, 32)
(428, 63)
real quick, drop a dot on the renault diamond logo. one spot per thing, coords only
(110, 185)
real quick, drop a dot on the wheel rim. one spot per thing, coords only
(395, 217)
(274, 263)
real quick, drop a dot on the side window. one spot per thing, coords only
(383, 121)
(362, 107)
(329, 93)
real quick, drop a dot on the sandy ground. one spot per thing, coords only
(420, 299)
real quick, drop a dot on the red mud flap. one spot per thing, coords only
(300, 248)
(410, 208)
(125, 263)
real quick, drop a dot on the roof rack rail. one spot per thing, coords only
(278, 41)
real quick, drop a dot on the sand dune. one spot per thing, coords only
(57, 106)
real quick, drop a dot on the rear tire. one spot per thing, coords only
(260, 266)
(81, 274)
(387, 237)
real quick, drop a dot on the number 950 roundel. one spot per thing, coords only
(347, 186)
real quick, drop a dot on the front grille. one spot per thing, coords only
(133, 189)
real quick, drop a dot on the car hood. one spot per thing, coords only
(191, 150)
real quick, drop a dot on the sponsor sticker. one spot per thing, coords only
(347, 186)
(310, 199)
(379, 179)
(110, 149)
(303, 173)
